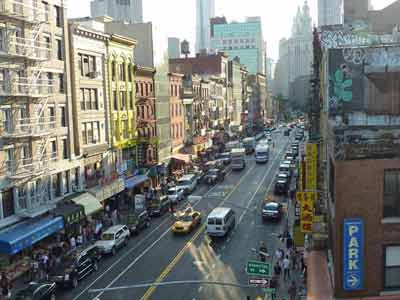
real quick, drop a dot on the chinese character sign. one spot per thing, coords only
(307, 211)
(311, 166)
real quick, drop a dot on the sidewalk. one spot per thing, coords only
(319, 285)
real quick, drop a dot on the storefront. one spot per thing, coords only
(73, 215)
(108, 189)
(19, 244)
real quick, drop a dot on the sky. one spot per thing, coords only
(178, 18)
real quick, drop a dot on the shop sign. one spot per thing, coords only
(298, 236)
(311, 166)
(353, 254)
(139, 202)
(307, 211)
(301, 174)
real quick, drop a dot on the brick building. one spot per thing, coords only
(177, 112)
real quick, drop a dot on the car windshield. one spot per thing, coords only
(107, 236)
(185, 218)
(183, 182)
(271, 206)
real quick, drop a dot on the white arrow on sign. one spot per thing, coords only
(259, 281)
(353, 280)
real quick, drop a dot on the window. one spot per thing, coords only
(52, 116)
(113, 70)
(141, 89)
(131, 104)
(82, 98)
(125, 129)
(116, 135)
(180, 109)
(172, 90)
(391, 194)
(89, 132)
(130, 77)
(121, 72)
(63, 116)
(64, 148)
(46, 10)
(151, 87)
(115, 98)
(84, 134)
(67, 182)
(147, 89)
(57, 184)
(59, 49)
(96, 132)
(53, 149)
(392, 267)
(57, 15)
(93, 99)
(61, 88)
(122, 95)
(88, 104)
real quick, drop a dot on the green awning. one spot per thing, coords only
(90, 203)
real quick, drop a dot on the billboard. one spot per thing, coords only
(306, 200)
(311, 166)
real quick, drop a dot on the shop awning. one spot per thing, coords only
(135, 180)
(26, 234)
(90, 203)
(182, 157)
(71, 212)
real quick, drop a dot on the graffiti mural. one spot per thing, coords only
(342, 86)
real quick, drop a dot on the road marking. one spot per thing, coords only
(137, 246)
(277, 157)
(180, 254)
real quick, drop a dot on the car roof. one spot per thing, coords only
(187, 177)
(114, 229)
(284, 165)
(219, 212)
(272, 204)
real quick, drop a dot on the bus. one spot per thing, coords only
(262, 153)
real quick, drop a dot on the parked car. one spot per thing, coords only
(74, 267)
(188, 183)
(281, 186)
(113, 238)
(175, 194)
(272, 211)
(37, 291)
(159, 206)
(186, 221)
(214, 175)
(137, 222)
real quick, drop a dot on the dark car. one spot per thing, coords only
(281, 184)
(136, 222)
(73, 268)
(159, 206)
(224, 157)
(272, 211)
(214, 175)
(38, 291)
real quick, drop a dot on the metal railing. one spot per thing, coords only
(27, 127)
(27, 48)
(22, 10)
(27, 86)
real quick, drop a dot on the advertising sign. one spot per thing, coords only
(311, 166)
(353, 254)
(298, 236)
(139, 202)
(307, 212)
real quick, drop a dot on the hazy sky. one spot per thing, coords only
(177, 17)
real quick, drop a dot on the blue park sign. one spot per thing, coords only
(353, 254)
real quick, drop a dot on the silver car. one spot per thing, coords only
(113, 238)
(175, 194)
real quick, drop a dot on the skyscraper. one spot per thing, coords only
(128, 11)
(205, 10)
(174, 47)
(330, 12)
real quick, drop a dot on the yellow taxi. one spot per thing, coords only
(186, 221)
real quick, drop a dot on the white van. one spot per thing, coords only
(220, 221)
(187, 183)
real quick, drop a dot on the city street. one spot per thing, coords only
(158, 256)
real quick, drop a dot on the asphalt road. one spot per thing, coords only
(157, 255)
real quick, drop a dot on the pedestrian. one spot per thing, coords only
(294, 260)
(263, 251)
(278, 255)
(289, 242)
(277, 269)
(286, 268)
(72, 242)
(5, 286)
(302, 264)
(292, 291)
(79, 239)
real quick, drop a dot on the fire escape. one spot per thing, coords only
(24, 93)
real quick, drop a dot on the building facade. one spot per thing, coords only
(330, 12)
(90, 108)
(205, 10)
(146, 117)
(174, 47)
(122, 103)
(39, 165)
(130, 11)
(177, 112)
(235, 103)
(244, 40)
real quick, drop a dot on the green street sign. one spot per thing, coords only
(258, 268)
(269, 291)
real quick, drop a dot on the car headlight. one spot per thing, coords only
(66, 277)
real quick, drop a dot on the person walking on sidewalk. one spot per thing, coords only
(289, 242)
(286, 268)
(292, 291)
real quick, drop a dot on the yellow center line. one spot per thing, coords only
(180, 254)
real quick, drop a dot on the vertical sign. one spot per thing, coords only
(311, 166)
(307, 212)
(301, 175)
(353, 254)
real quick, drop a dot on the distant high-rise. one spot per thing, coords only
(174, 47)
(330, 12)
(127, 11)
(244, 40)
(205, 10)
